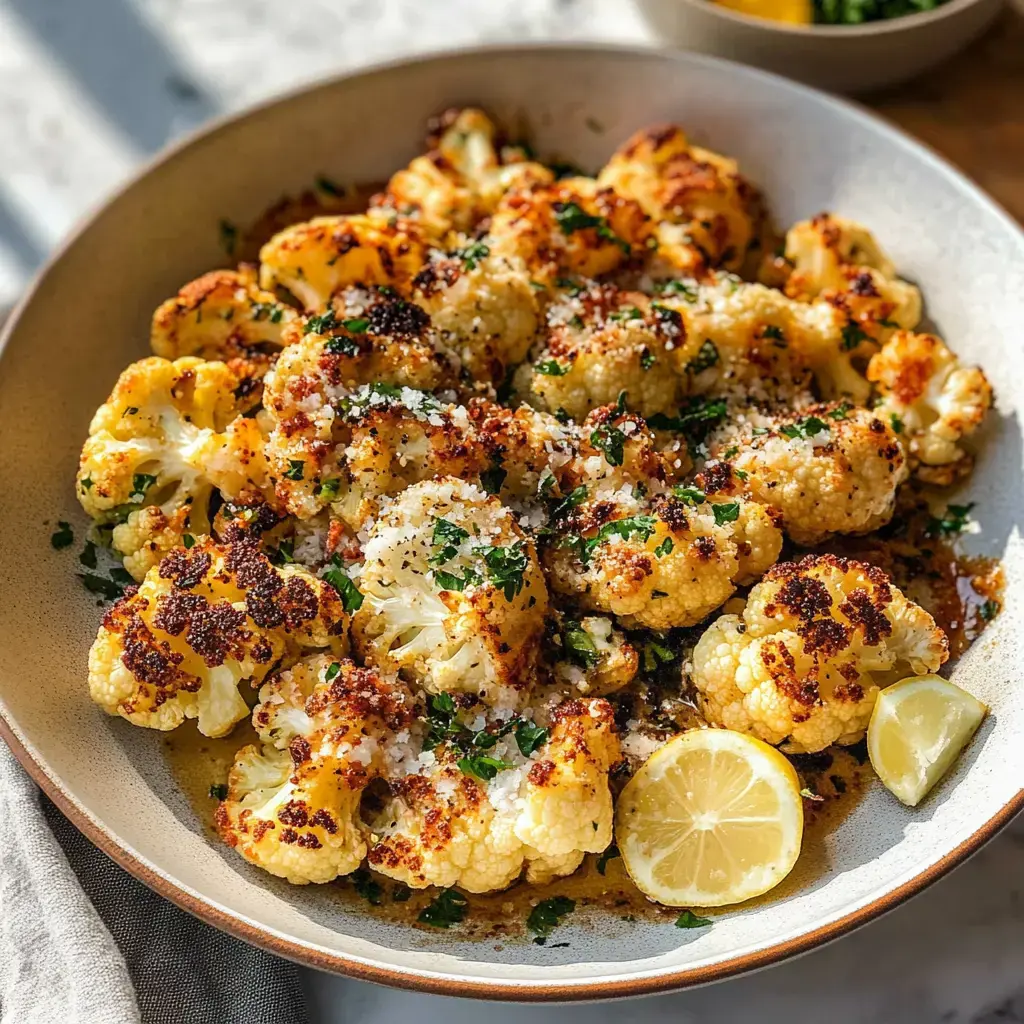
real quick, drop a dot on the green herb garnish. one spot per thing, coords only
(579, 645)
(351, 596)
(954, 521)
(726, 512)
(548, 914)
(367, 886)
(62, 537)
(688, 919)
(609, 854)
(530, 737)
(551, 368)
(471, 254)
(483, 766)
(219, 791)
(611, 441)
(296, 467)
(707, 356)
(447, 908)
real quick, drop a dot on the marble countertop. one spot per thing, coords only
(89, 88)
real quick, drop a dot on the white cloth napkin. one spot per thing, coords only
(82, 942)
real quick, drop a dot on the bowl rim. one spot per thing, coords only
(437, 982)
(882, 27)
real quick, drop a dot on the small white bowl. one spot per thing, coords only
(841, 58)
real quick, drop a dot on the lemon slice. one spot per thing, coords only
(918, 728)
(713, 817)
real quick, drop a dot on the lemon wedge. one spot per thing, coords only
(711, 818)
(917, 729)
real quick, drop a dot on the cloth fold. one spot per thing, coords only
(82, 942)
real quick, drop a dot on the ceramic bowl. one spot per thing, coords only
(842, 58)
(87, 317)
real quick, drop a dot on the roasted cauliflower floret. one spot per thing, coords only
(669, 563)
(841, 261)
(836, 469)
(483, 307)
(443, 827)
(595, 659)
(201, 623)
(932, 400)
(707, 214)
(600, 342)
(453, 594)
(165, 438)
(816, 641)
(292, 806)
(572, 226)
(222, 315)
(461, 177)
(316, 258)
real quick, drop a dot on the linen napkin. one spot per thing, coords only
(82, 942)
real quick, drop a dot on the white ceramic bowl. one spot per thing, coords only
(87, 317)
(842, 58)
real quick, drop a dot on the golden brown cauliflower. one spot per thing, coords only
(202, 622)
(168, 435)
(816, 641)
(222, 315)
(316, 258)
(545, 812)
(292, 806)
(932, 401)
(668, 562)
(600, 342)
(570, 227)
(707, 214)
(834, 469)
(454, 596)
(460, 179)
(483, 307)
(841, 261)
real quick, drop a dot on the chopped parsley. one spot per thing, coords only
(452, 581)
(492, 479)
(283, 554)
(366, 886)
(219, 791)
(688, 919)
(548, 914)
(611, 441)
(897, 423)
(88, 555)
(86, 483)
(141, 482)
(656, 654)
(447, 908)
(296, 467)
(807, 427)
(664, 548)
(707, 356)
(647, 359)
(471, 254)
(609, 854)
(332, 672)
(989, 610)
(62, 537)
(741, 473)
(267, 311)
(341, 346)
(840, 412)
(579, 645)
(530, 737)
(351, 596)
(483, 766)
(441, 713)
(325, 184)
(401, 894)
(575, 497)
(955, 520)
(572, 217)
(773, 332)
(691, 495)
(446, 539)
(853, 336)
(551, 368)
(726, 512)
(188, 540)
(681, 288)
(505, 568)
(99, 585)
(641, 526)
(633, 313)
(696, 418)
(321, 324)
(329, 489)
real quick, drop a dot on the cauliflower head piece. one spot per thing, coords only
(203, 621)
(596, 658)
(460, 179)
(707, 214)
(816, 641)
(670, 562)
(600, 342)
(292, 806)
(543, 812)
(453, 594)
(835, 469)
(933, 401)
(168, 435)
(223, 315)
(316, 258)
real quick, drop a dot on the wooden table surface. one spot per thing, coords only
(971, 110)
